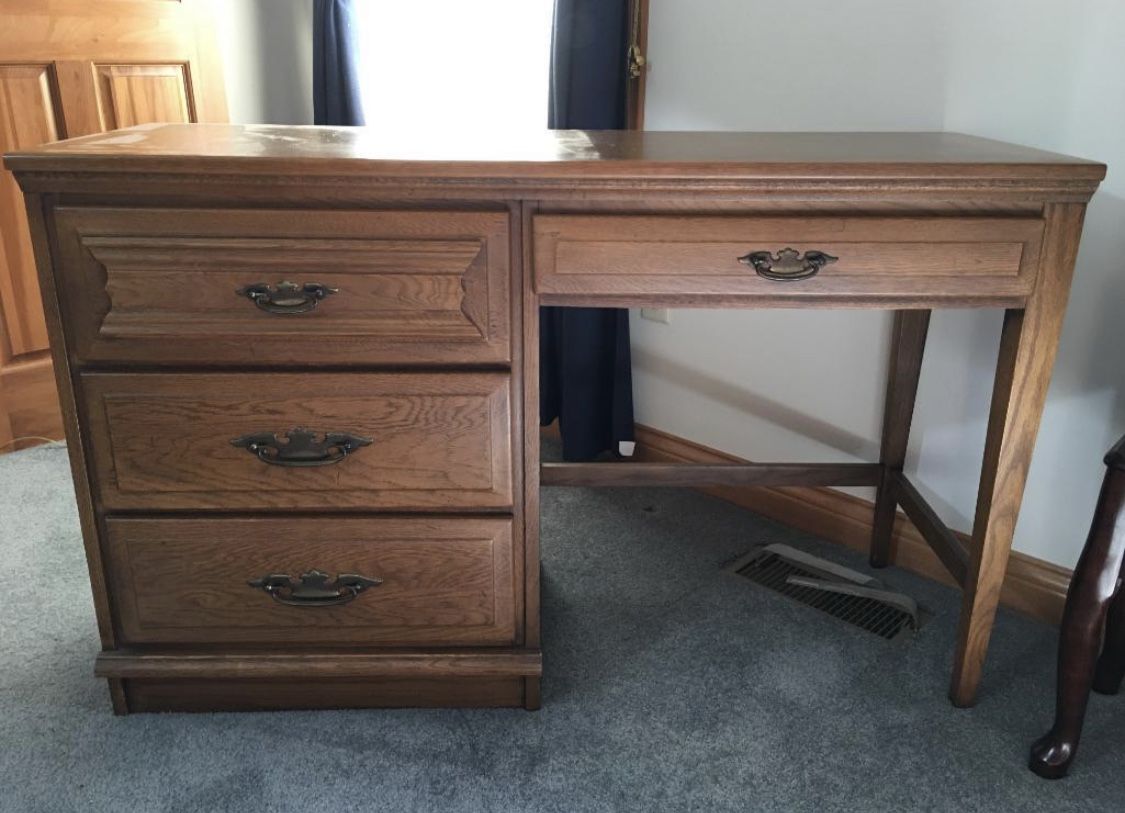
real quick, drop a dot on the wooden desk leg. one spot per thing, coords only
(908, 341)
(1028, 344)
(1091, 589)
(529, 321)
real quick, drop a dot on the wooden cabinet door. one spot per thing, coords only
(70, 68)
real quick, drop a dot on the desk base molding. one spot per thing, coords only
(193, 695)
(253, 681)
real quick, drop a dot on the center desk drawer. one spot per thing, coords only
(219, 286)
(398, 581)
(788, 260)
(300, 442)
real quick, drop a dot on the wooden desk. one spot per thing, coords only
(377, 421)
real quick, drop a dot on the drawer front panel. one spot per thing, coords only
(697, 260)
(209, 286)
(424, 580)
(399, 441)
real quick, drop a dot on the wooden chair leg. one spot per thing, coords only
(1091, 589)
(908, 341)
(1111, 665)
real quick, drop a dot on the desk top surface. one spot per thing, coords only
(267, 149)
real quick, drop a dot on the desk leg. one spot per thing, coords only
(908, 341)
(1027, 353)
(529, 322)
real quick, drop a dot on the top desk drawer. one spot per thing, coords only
(170, 286)
(701, 260)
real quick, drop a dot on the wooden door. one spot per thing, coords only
(70, 68)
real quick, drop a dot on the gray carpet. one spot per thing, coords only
(669, 686)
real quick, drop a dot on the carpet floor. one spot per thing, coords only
(670, 685)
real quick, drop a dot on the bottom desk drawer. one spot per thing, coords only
(308, 581)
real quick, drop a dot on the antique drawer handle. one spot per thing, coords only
(301, 447)
(314, 589)
(788, 264)
(286, 297)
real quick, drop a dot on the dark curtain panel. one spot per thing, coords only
(336, 98)
(586, 378)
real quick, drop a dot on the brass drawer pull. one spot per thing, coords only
(286, 297)
(788, 264)
(301, 447)
(314, 589)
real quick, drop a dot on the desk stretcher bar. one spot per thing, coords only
(936, 533)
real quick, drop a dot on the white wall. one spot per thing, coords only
(266, 47)
(808, 385)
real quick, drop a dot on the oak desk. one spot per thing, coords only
(299, 373)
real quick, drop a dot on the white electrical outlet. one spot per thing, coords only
(656, 315)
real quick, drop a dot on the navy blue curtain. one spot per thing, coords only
(586, 378)
(336, 98)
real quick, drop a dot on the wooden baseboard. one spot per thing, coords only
(1032, 586)
(29, 404)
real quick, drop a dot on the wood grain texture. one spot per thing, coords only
(160, 286)
(314, 665)
(29, 403)
(1031, 586)
(570, 154)
(164, 441)
(908, 342)
(930, 220)
(949, 549)
(520, 356)
(636, 86)
(581, 166)
(7, 439)
(443, 581)
(141, 94)
(29, 116)
(635, 260)
(194, 695)
(530, 450)
(686, 475)
(1028, 344)
(80, 469)
(51, 56)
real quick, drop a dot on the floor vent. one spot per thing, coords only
(860, 600)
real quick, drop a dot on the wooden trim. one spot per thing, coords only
(936, 533)
(6, 435)
(733, 474)
(1032, 586)
(635, 88)
(318, 665)
(29, 404)
(908, 345)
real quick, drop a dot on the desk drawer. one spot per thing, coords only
(618, 259)
(418, 581)
(401, 441)
(211, 286)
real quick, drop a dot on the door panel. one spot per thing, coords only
(140, 94)
(70, 68)
(28, 116)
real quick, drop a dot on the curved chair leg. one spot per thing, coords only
(1111, 665)
(1087, 601)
